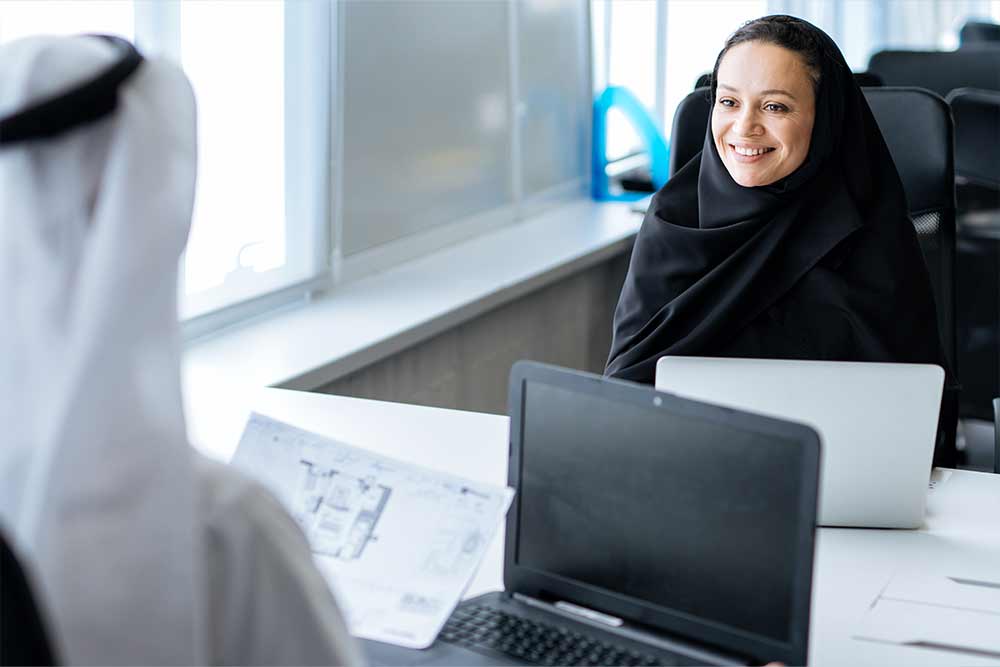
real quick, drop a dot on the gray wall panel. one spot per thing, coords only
(555, 93)
(426, 116)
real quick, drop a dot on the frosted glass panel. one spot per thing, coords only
(554, 91)
(426, 116)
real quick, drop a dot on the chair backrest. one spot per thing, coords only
(23, 638)
(979, 32)
(868, 79)
(977, 135)
(939, 71)
(687, 135)
(917, 127)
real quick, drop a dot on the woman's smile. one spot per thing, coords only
(748, 154)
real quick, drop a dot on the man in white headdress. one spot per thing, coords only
(142, 551)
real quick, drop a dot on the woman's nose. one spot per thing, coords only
(748, 124)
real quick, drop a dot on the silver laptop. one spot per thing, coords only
(877, 421)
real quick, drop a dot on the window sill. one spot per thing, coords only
(361, 322)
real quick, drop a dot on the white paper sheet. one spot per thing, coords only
(957, 613)
(398, 543)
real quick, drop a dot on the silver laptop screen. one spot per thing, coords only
(692, 516)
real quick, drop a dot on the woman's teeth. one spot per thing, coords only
(750, 152)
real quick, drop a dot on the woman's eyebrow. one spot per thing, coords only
(769, 91)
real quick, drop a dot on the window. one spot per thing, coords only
(260, 221)
(454, 118)
(260, 107)
(692, 51)
(658, 49)
(625, 35)
(651, 46)
(22, 18)
(349, 136)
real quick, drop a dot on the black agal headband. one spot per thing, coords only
(84, 103)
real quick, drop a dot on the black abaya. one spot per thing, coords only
(824, 264)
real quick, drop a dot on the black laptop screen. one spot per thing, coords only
(690, 515)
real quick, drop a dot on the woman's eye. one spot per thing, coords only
(727, 103)
(775, 107)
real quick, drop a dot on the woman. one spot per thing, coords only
(788, 235)
(141, 552)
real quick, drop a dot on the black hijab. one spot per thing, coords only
(823, 264)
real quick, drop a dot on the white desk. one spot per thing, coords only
(962, 529)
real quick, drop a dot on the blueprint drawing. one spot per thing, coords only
(397, 543)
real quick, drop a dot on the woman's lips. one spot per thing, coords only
(749, 159)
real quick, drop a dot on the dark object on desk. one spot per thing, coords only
(939, 71)
(979, 33)
(917, 129)
(637, 180)
(646, 529)
(23, 637)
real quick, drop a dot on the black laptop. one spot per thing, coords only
(647, 529)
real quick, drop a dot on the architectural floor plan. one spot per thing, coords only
(397, 543)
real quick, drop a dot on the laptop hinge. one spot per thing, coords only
(621, 627)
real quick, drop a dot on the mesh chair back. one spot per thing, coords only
(979, 32)
(977, 135)
(917, 127)
(939, 71)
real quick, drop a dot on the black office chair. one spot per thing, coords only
(939, 71)
(978, 33)
(977, 141)
(977, 272)
(687, 134)
(23, 638)
(917, 128)
(868, 79)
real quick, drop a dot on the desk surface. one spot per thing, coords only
(962, 529)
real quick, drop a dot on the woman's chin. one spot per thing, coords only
(750, 180)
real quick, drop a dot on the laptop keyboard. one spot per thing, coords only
(540, 643)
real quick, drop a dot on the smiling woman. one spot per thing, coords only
(787, 237)
(763, 118)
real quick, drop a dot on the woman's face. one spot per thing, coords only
(763, 115)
